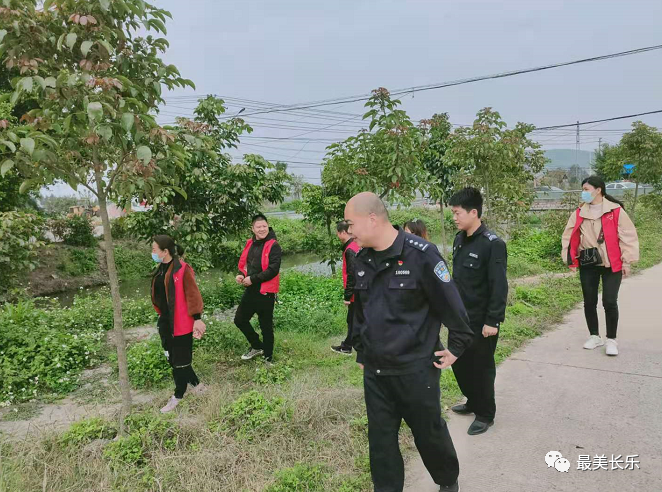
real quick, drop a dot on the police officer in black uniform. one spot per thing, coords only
(403, 293)
(479, 270)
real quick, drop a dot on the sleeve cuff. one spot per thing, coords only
(359, 357)
(197, 316)
(493, 322)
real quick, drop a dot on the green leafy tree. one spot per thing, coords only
(384, 159)
(642, 147)
(94, 79)
(442, 173)
(498, 161)
(219, 196)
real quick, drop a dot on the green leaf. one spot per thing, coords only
(6, 166)
(127, 121)
(47, 4)
(106, 46)
(105, 132)
(85, 47)
(71, 39)
(9, 145)
(28, 145)
(50, 82)
(25, 185)
(144, 153)
(157, 88)
(3, 33)
(67, 123)
(180, 191)
(158, 25)
(40, 81)
(26, 84)
(105, 4)
(60, 41)
(94, 110)
(14, 97)
(13, 137)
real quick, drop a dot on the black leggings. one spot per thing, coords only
(611, 283)
(183, 377)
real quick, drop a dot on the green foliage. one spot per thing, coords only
(133, 261)
(73, 231)
(273, 374)
(222, 293)
(79, 261)
(292, 205)
(147, 363)
(252, 415)
(20, 235)
(301, 477)
(441, 171)
(147, 433)
(298, 236)
(87, 430)
(119, 228)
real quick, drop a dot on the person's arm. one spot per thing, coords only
(445, 300)
(565, 238)
(192, 292)
(350, 260)
(628, 239)
(272, 270)
(498, 284)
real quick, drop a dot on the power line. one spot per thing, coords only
(599, 121)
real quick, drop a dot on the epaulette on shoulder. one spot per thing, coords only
(417, 243)
(490, 235)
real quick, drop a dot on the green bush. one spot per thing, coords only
(73, 231)
(299, 478)
(119, 228)
(225, 254)
(291, 206)
(147, 363)
(222, 293)
(133, 260)
(88, 430)
(79, 262)
(20, 235)
(221, 337)
(251, 415)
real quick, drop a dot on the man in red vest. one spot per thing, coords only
(349, 250)
(259, 267)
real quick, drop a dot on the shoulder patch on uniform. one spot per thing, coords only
(441, 271)
(490, 235)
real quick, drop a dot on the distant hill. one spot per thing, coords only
(565, 158)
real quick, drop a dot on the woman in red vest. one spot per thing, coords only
(177, 299)
(601, 241)
(259, 268)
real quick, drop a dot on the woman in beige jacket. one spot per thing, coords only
(601, 241)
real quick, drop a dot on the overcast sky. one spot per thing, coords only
(300, 51)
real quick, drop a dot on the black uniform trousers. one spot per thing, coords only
(416, 399)
(611, 284)
(347, 343)
(179, 351)
(253, 302)
(475, 372)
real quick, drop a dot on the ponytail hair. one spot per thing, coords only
(598, 182)
(166, 243)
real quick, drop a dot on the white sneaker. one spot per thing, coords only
(170, 406)
(594, 341)
(611, 347)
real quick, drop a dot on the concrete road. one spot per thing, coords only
(555, 396)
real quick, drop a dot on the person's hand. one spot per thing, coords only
(446, 358)
(199, 329)
(627, 271)
(573, 269)
(489, 331)
(239, 278)
(247, 282)
(360, 365)
(347, 303)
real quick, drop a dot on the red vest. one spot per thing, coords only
(270, 286)
(610, 229)
(182, 321)
(354, 247)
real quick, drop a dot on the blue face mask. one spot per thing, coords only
(156, 258)
(587, 197)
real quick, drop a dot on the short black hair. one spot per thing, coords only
(258, 217)
(469, 199)
(342, 226)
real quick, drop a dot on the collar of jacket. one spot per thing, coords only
(607, 206)
(347, 243)
(398, 245)
(477, 233)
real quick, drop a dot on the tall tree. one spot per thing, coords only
(384, 159)
(499, 161)
(95, 79)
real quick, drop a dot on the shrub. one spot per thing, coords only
(20, 235)
(133, 261)
(79, 262)
(299, 478)
(119, 228)
(251, 414)
(88, 430)
(147, 363)
(73, 231)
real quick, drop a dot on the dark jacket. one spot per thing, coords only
(400, 305)
(349, 257)
(254, 260)
(479, 270)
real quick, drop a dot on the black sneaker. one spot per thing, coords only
(450, 488)
(251, 354)
(341, 349)
(462, 409)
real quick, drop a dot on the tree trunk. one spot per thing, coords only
(443, 229)
(634, 207)
(118, 331)
(488, 204)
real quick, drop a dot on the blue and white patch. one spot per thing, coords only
(441, 271)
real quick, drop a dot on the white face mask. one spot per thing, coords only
(587, 196)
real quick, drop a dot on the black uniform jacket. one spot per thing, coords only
(479, 270)
(400, 305)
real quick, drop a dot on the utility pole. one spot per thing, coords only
(577, 147)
